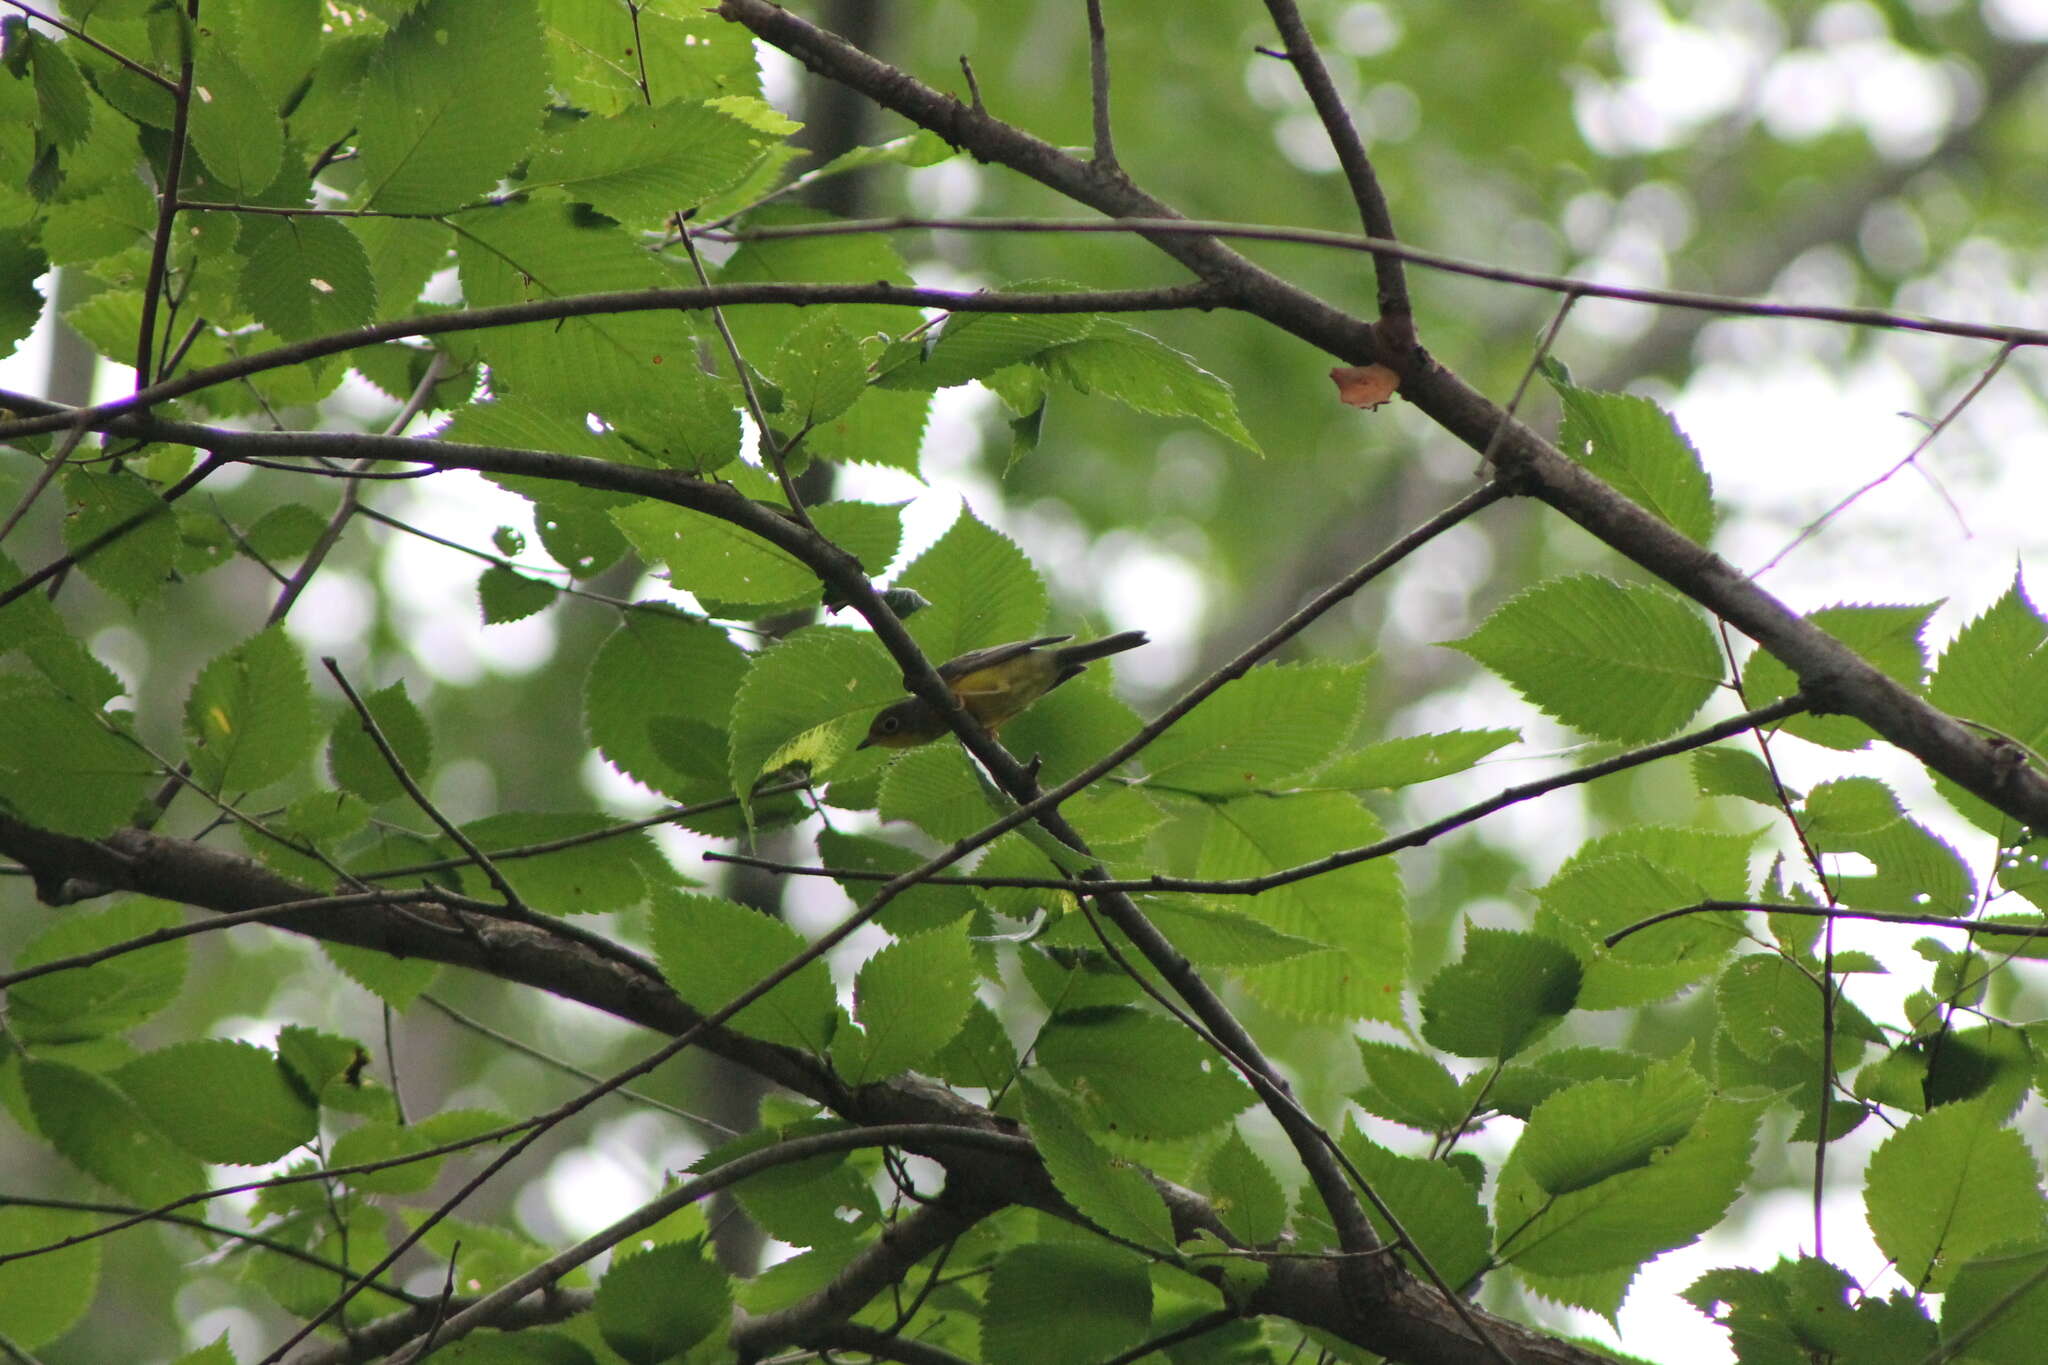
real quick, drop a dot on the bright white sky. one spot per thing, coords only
(1785, 426)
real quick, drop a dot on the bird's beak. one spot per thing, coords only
(864, 744)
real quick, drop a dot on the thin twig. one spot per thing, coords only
(1397, 314)
(1955, 411)
(167, 212)
(525, 1049)
(247, 1239)
(42, 480)
(1098, 89)
(1728, 304)
(1834, 912)
(417, 795)
(771, 444)
(56, 416)
(96, 45)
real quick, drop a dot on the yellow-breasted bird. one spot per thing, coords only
(994, 684)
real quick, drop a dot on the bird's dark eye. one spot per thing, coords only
(890, 725)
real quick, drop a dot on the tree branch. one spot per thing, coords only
(1833, 676)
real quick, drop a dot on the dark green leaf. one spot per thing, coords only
(1506, 991)
(437, 133)
(357, 765)
(654, 1305)
(712, 951)
(226, 1102)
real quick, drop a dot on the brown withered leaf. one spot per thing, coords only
(1365, 386)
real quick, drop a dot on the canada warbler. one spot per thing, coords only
(994, 684)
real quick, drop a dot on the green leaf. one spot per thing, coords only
(737, 570)
(1887, 637)
(330, 1068)
(1244, 1191)
(1410, 759)
(64, 104)
(1995, 672)
(99, 1130)
(397, 981)
(1436, 1206)
(1410, 1087)
(809, 698)
(306, 277)
(108, 997)
(1521, 1087)
(386, 1140)
(1272, 724)
(233, 123)
(66, 767)
(1070, 1303)
(883, 428)
(647, 162)
(973, 345)
(1999, 1304)
(1111, 1193)
(1627, 663)
(982, 589)
(1508, 990)
(355, 763)
(822, 1201)
(712, 951)
(285, 533)
(820, 370)
(83, 230)
(1359, 911)
(1637, 447)
(226, 1102)
(979, 1053)
(1629, 875)
(1609, 1173)
(436, 132)
(1917, 873)
(680, 53)
(1766, 1003)
(654, 1305)
(661, 664)
(1223, 938)
(1949, 1186)
(1806, 1309)
(616, 364)
(250, 715)
(912, 913)
(1141, 1074)
(1118, 361)
(43, 1296)
(808, 260)
(1721, 771)
(136, 564)
(910, 998)
(506, 595)
(599, 876)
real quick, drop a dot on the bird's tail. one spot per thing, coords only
(1072, 655)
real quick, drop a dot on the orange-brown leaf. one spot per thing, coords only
(1365, 386)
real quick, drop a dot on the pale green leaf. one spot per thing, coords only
(1623, 663)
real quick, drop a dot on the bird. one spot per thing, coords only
(994, 684)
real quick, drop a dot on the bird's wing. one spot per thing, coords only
(976, 659)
